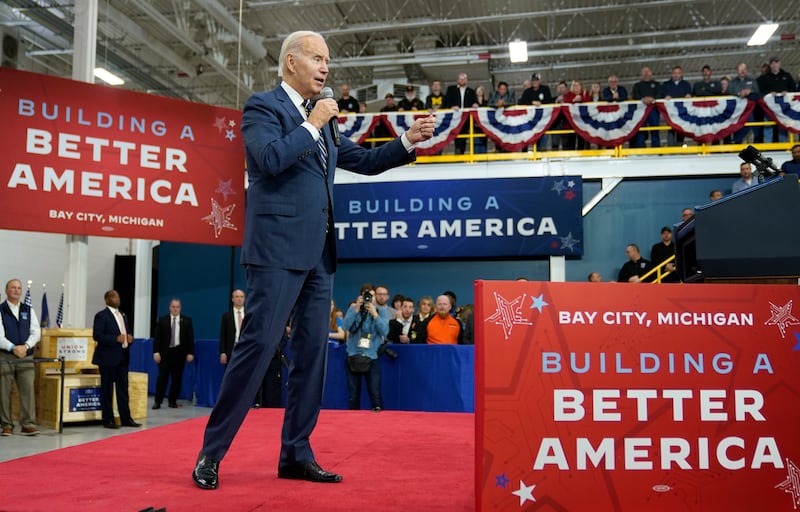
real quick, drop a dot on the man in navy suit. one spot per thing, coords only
(112, 354)
(289, 252)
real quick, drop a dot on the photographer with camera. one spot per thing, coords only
(366, 324)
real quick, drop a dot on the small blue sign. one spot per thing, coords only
(84, 399)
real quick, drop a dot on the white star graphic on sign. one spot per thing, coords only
(508, 313)
(232, 123)
(782, 317)
(229, 135)
(220, 217)
(567, 242)
(525, 493)
(558, 187)
(792, 483)
(571, 183)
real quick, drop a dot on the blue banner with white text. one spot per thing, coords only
(509, 217)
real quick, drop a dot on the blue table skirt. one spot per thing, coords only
(436, 378)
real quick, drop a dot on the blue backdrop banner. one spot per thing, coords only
(460, 218)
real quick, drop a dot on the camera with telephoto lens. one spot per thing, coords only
(384, 349)
(367, 297)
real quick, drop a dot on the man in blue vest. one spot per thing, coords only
(19, 333)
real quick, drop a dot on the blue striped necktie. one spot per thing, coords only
(323, 151)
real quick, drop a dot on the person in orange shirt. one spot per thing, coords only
(443, 328)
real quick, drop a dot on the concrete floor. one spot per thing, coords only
(17, 445)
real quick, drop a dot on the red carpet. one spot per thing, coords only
(391, 461)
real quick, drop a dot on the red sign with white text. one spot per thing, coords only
(86, 159)
(618, 397)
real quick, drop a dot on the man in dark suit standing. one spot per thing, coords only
(289, 252)
(173, 347)
(231, 326)
(461, 96)
(112, 354)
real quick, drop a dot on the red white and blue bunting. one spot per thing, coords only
(607, 124)
(514, 129)
(784, 109)
(357, 127)
(706, 120)
(448, 124)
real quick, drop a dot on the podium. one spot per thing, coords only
(81, 380)
(749, 236)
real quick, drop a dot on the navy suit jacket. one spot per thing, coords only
(105, 331)
(288, 196)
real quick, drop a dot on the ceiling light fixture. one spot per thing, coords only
(518, 51)
(108, 77)
(762, 34)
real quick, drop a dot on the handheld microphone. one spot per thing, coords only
(333, 124)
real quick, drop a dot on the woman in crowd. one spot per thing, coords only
(336, 334)
(479, 141)
(425, 308)
(576, 94)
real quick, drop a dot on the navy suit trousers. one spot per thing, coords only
(273, 295)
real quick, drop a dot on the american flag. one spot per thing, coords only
(28, 301)
(44, 321)
(60, 314)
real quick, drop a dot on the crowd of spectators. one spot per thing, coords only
(772, 79)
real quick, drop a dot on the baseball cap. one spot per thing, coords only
(536, 76)
(666, 228)
(388, 95)
(774, 59)
(409, 88)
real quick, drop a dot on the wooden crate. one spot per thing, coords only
(49, 389)
(76, 345)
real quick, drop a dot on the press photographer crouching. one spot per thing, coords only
(366, 324)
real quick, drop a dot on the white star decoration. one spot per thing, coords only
(232, 123)
(525, 493)
(558, 187)
(508, 313)
(567, 242)
(792, 483)
(230, 135)
(220, 217)
(571, 183)
(782, 317)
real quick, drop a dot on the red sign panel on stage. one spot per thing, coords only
(86, 159)
(618, 397)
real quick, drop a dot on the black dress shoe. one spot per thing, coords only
(309, 471)
(205, 472)
(110, 425)
(156, 406)
(131, 423)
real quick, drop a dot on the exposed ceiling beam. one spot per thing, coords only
(197, 48)
(251, 42)
(134, 68)
(423, 23)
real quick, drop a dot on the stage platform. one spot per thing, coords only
(391, 461)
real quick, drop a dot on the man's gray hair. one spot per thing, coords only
(291, 45)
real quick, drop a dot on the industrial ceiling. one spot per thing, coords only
(198, 50)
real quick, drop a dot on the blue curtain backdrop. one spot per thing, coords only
(436, 378)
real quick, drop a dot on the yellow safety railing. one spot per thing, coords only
(534, 153)
(659, 271)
